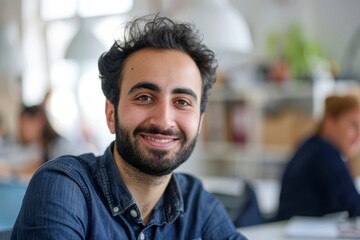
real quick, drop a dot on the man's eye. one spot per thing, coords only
(182, 102)
(144, 98)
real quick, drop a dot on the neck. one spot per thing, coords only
(333, 140)
(145, 189)
(327, 136)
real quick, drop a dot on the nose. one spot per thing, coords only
(163, 115)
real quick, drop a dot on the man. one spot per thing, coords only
(156, 82)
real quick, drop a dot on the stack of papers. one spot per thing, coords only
(349, 229)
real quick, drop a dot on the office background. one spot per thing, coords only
(278, 60)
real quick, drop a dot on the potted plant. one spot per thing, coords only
(292, 54)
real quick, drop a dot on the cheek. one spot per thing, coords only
(189, 124)
(350, 137)
(130, 117)
(354, 135)
(346, 133)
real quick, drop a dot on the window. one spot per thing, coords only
(76, 103)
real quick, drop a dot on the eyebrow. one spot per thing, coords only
(145, 85)
(187, 91)
(155, 88)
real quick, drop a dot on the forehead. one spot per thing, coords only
(165, 68)
(350, 114)
(354, 113)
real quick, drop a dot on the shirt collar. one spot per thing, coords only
(119, 198)
(171, 205)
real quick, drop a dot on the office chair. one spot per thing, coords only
(243, 209)
(5, 234)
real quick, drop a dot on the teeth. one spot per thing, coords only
(158, 140)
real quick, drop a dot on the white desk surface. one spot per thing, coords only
(269, 231)
(272, 231)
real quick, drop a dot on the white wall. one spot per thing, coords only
(335, 23)
(265, 16)
(330, 22)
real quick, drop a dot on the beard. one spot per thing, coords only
(152, 162)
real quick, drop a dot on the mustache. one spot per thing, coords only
(155, 130)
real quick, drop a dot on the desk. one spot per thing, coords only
(272, 231)
(269, 231)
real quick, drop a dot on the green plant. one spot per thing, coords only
(294, 47)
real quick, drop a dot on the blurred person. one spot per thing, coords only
(35, 128)
(317, 180)
(38, 142)
(156, 82)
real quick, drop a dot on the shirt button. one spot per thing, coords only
(141, 236)
(133, 213)
(116, 209)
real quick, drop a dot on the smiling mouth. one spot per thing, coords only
(160, 141)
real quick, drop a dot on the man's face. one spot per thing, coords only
(158, 116)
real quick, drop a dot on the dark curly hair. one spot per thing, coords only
(153, 31)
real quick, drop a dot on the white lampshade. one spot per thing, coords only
(11, 59)
(84, 46)
(225, 30)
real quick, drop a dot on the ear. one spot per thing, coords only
(201, 122)
(110, 116)
(329, 125)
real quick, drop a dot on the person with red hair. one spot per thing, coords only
(317, 180)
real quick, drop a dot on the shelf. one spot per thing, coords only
(227, 151)
(252, 131)
(263, 92)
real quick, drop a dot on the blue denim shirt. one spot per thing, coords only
(84, 197)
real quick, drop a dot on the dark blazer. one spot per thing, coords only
(317, 181)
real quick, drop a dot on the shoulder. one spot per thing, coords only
(194, 194)
(317, 142)
(314, 149)
(319, 156)
(67, 178)
(189, 184)
(187, 180)
(69, 162)
(203, 208)
(74, 167)
(58, 198)
(323, 150)
(311, 143)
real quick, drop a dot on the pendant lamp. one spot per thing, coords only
(84, 45)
